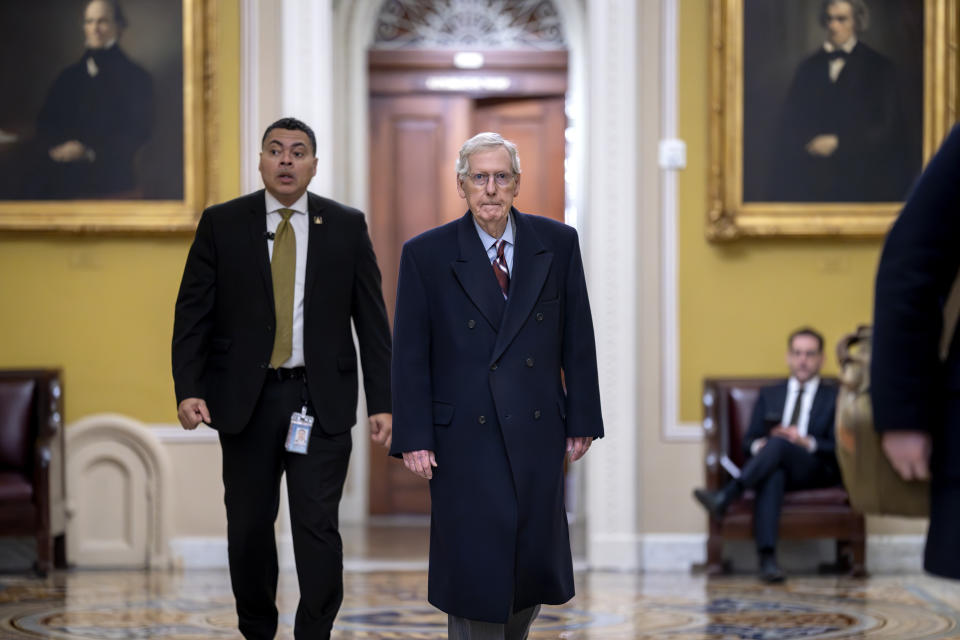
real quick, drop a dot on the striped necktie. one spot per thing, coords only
(500, 269)
(283, 267)
(795, 416)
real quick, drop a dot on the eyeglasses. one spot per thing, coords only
(502, 178)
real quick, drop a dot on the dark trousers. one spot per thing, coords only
(516, 628)
(253, 462)
(780, 465)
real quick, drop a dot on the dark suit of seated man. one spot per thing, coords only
(789, 445)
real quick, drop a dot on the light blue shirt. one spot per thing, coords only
(490, 243)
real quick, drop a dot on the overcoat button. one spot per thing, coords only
(539, 316)
(529, 362)
(493, 367)
(536, 414)
(471, 324)
(482, 419)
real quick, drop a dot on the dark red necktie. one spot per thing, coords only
(500, 269)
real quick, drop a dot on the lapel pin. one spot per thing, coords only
(317, 219)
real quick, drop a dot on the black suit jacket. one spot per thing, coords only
(224, 323)
(769, 410)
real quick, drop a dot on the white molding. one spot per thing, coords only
(610, 255)
(615, 552)
(895, 553)
(672, 428)
(672, 552)
(249, 94)
(175, 434)
(307, 72)
(104, 434)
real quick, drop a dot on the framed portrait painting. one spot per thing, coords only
(824, 112)
(112, 125)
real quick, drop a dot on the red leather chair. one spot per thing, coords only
(32, 478)
(812, 513)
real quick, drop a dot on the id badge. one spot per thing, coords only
(298, 436)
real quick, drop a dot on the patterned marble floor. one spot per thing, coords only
(197, 605)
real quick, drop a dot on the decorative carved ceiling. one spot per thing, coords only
(473, 24)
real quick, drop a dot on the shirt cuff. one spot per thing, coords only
(755, 446)
(812, 448)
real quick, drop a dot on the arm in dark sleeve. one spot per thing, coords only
(758, 424)
(412, 386)
(193, 316)
(826, 434)
(917, 268)
(373, 330)
(579, 357)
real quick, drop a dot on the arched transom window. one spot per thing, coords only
(476, 24)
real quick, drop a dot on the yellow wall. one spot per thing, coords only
(739, 301)
(101, 305)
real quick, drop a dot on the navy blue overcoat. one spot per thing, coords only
(494, 388)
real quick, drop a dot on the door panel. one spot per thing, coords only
(414, 145)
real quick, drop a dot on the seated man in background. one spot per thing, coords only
(789, 445)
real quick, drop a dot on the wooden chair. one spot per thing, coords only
(814, 513)
(32, 470)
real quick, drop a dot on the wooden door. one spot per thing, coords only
(414, 144)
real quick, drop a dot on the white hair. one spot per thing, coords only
(483, 142)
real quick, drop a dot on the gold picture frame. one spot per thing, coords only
(178, 160)
(732, 216)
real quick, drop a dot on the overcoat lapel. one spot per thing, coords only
(531, 263)
(257, 217)
(472, 269)
(315, 246)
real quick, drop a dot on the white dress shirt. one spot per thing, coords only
(836, 66)
(806, 403)
(301, 228)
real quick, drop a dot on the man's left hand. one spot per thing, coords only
(381, 428)
(70, 151)
(577, 447)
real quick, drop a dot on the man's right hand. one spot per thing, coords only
(420, 462)
(193, 411)
(908, 452)
(823, 145)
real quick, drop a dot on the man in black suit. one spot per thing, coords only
(842, 134)
(916, 397)
(789, 445)
(262, 333)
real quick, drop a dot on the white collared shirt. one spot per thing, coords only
(836, 66)
(490, 243)
(301, 227)
(806, 403)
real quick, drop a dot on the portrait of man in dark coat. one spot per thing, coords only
(840, 124)
(95, 118)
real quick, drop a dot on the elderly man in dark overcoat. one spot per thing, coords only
(494, 383)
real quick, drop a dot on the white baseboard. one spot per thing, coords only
(654, 552)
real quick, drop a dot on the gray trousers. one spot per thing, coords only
(516, 628)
